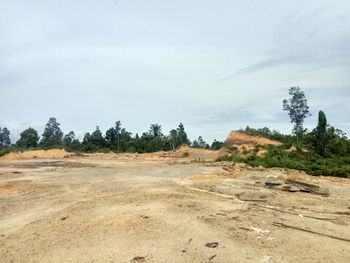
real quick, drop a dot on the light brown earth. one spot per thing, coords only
(198, 154)
(245, 142)
(243, 138)
(144, 208)
(52, 153)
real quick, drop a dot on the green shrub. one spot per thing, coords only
(232, 149)
(230, 158)
(104, 150)
(185, 154)
(310, 162)
(4, 151)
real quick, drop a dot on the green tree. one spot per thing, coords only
(202, 143)
(338, 144)
(297, 109)
(321, 138)
(117, 129)
(173, 139)
(112, 139)
(87, 144)
(119, 139)
(97, 139)
(199, 143)
(52, 136)
(5, 140)
(155, 130)
(216, 145)
(69, 138)
(86, 138)
(182, 135)
(70, 142)
(156, 144)
(125, 140)
(28, 138)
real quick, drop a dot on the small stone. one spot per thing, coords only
(212, 244)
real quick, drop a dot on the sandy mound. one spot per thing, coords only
(242, 138)
(46, 154)
(194, 153)
(183, 152)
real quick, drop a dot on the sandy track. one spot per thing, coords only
(89, 210)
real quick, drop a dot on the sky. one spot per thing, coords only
(215, 66)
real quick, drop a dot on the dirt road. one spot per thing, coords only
(166, 210)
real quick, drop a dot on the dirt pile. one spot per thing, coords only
(44, 154)
(242, 138)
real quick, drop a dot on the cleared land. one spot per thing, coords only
(167, 209)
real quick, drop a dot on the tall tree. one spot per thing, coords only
(199, 143)
(113, 136)
(117, 128)
(52, 135)
(69, 137)
(70, 142)
(5, 140)
(297, 109)
(173, 139)
(97, 138)
(28, 138)
(182, 135)
(86, 138)
(320, 134)
(155, 130)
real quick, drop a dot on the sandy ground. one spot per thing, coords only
(52, 153)
(166, 210)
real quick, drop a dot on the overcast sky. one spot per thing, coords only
(215, 65)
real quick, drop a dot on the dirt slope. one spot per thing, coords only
(242, 138)
(46, 154)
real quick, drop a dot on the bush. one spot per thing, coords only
(104, 150)
(232, 149)
(309, 162)
(230, 158)
(185, 154)
(4, 151)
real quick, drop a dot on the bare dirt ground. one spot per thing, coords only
(137, 209)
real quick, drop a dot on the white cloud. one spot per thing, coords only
(91, 63)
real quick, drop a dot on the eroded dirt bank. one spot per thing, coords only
(168, 210)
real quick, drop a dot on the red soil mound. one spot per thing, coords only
(242, 138)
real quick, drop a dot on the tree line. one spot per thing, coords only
(324, 141)
(116, 139)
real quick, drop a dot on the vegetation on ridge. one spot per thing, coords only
(323, 151)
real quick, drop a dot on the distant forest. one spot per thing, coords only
(116, 139)
(324, 150)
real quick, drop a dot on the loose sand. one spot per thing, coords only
(46, 154)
